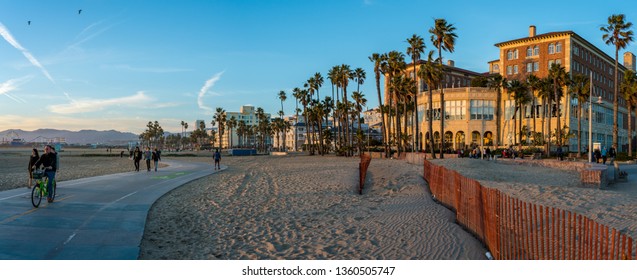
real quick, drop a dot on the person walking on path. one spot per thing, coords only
(217, 157)
(604, 154)
(137, 156)
(156, 158)
(147, 158)
(612, 153)
(35, 156)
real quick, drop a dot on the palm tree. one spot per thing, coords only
(220, 119)
(361, 101)
(431, 73)
(416, 47)
(185, 130)
(296, 92)
(628, 89)
(378, 60)
(579, 89)
(559, 76)
(395, 67)
(345, 75)
(520, 95)
(318, 82)
(617, 33)
(497, 82)
(231, 124)
(283, 97)
(443, 38)
(533, 83)
(545, 92)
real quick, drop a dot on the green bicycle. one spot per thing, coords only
(39, 189)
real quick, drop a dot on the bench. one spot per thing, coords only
(620, 175)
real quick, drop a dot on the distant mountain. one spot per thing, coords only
(81, 137)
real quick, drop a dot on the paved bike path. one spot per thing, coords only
(96, 218)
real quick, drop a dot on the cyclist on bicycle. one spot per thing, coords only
(49, 162)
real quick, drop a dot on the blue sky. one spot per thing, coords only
(119, 64)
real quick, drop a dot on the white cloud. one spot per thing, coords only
(92, 105)
(206, 87)
(4, 32)
(11, 85)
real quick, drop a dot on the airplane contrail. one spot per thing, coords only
(13, 42)
(202, 92)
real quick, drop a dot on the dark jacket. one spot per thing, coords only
(32, 161)
(48, 160)
(137, 155)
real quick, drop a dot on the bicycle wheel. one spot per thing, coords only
(36, 195)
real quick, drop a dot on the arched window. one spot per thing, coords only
(558, 47)
(551, 48)
(515, 54)
(510, 55)
(529, 51)
(536, 50)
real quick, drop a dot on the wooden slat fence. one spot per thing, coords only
(362, 170)
(514, 229)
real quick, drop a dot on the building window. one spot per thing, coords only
(509, 55)
(529, 52)
(551, 48)
(509, 70)
(515, 69)
(455, 109)
(536, 50)
(558, 47)
(558, 61)
(536, 66)
(482, 109)
(529, 67)
(576, 50)
(515, 54)
(496, 68)
(551, 62)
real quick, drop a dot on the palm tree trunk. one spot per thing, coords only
(579, 128)
(431, 121)
(498, 117)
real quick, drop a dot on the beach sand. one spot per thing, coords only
(305, 207)
(615, 206)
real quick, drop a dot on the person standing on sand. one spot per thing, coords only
(35, 156)
(217, 157)
(137, 156)
(156, 158)
(147, 158)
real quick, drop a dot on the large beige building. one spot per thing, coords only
(534, 54)
(471, 111)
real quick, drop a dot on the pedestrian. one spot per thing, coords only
(217, 157)
(35, 156)
(560, 153)
(156, 158)
(612, 153)
(147, 158)
(137, 156)
(604, 154)
(598, 155)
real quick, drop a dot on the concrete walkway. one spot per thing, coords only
(628, 186)
(97, 218)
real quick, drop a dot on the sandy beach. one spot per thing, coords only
(305, 207)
